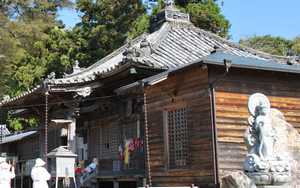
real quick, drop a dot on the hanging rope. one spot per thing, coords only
(147, 141)
(46, 127)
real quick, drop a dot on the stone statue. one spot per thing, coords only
(262, 164)
(7, 173)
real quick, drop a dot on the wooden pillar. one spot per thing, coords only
(72, 135)
(41, 132)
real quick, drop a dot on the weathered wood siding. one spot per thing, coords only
(191, 88)
(232, 93)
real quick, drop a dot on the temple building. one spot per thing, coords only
(167, 109)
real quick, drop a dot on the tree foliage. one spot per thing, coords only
(273, 45)
(296, 45)
(205, 14)
(32, 43)
(105, 25)
(18, 123)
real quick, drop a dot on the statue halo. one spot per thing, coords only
(257, 99)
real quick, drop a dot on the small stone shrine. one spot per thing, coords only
(265, 164)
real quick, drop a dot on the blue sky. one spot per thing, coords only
(261, 17)
(247, 17)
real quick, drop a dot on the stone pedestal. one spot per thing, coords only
(270, 178)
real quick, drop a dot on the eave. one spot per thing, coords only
(119, 72)
(218, 58)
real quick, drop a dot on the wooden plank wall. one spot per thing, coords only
(232, 94)
(189, 87)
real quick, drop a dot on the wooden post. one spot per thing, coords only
(72, 135)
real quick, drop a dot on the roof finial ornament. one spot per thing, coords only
(170, 3)
(76, 68)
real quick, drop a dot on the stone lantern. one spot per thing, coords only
(62, 164)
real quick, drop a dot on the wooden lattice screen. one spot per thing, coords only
(111, 139)
(177, 137)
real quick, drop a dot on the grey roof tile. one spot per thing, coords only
(172, 46)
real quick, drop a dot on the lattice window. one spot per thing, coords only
(111, 139)
(177, 137)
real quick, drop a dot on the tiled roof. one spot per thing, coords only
(106, 65)
(24, 94)
(17, 137)
(218, 58)
(175, 44)
(172, 46)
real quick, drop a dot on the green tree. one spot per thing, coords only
(205, 14)
(140, 26)
(296, 46)
(105, 26)
(18, 124)
(50, 54)
(32, 42)
(269, 44)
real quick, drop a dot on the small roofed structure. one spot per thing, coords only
(16, 137)
(62, 164)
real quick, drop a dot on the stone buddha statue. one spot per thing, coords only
(261, 164)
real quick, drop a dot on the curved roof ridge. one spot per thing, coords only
(158, 36)
(109, 56)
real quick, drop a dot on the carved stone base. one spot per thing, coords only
(270, 178)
